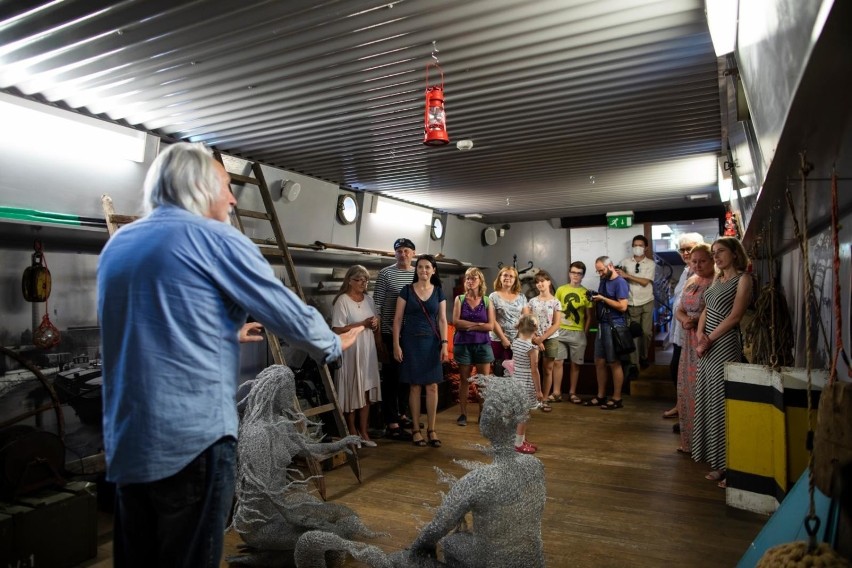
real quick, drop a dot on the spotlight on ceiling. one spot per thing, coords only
(290, 190)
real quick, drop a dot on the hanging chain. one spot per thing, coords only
(838, 312)
(773, 356)
(811, 520)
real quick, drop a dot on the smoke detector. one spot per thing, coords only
(464, 145)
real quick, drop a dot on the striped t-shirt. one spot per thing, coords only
(390, 281)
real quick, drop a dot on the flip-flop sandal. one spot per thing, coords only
(554, 398)
(545, 407)
(612, 405)
(597, 401)
(574, 399)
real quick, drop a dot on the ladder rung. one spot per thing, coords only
(318, 409)
(238, 178)
(122, 219)
(253, 214)
(272, 253)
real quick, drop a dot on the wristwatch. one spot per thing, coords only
(444, 341)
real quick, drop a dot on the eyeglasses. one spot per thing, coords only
(577, 273)
(637, 268)
(601, 271)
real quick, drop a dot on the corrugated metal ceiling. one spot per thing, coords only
(574, 107)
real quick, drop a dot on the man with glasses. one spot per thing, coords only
(611, 306)
(638, 270)
(394, 394)
(576, 317)
(686, 242)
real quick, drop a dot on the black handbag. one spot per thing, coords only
(622, 340)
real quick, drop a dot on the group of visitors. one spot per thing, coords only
(170, 450)
(411, 360)
(710, 300)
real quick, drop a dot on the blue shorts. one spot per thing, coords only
(603, 344)
(472, 353)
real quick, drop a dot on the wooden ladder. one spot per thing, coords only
(271, 248)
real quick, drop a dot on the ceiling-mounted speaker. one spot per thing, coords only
(290, 190)
(489, 237)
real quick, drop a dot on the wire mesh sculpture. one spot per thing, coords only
(274, 507)
(505, 497)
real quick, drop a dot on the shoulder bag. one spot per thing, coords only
(425, 312)
(622, 339)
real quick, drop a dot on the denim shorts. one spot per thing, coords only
(472, 353)
(603, 344)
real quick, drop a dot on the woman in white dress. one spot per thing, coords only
(357, 379)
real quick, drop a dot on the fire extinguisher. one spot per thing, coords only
(435, 120)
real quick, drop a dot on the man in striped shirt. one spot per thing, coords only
(390, 281)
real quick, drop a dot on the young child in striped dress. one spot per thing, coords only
(525, 358)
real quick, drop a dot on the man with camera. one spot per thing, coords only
(611, 305)
(639, 270)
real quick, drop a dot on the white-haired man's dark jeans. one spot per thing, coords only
(178, 521)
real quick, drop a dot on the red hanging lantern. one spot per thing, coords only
(435, 120)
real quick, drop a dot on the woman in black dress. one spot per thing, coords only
(420, 343)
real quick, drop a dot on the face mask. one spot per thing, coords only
(638, 251)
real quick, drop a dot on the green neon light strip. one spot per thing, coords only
(36, 216)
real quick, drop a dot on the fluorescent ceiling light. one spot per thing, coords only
(49, 129)
(722, 21)
(473, 216)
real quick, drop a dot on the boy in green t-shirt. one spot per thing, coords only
(576, 317)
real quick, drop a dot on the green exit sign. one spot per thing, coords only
(619, 220)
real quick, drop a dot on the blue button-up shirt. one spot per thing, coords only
(174, 290)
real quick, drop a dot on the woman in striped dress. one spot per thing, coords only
(719, 341)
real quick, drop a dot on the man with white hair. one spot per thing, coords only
(685, 244)
(174, 291)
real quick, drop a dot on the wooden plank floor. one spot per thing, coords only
(618, 494)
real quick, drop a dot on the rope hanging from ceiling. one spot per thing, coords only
(770, 331)
(811, 552)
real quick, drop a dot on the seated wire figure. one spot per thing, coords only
(506, 499)
(273, 506)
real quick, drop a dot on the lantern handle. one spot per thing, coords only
(436, 64)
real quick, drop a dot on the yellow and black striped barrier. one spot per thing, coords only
(766, 423)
